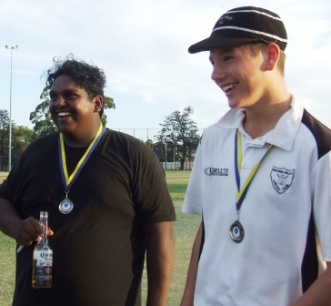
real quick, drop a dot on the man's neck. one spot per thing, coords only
(81, 141)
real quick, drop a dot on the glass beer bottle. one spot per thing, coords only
(42, 264)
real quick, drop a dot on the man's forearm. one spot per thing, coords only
(160, 262)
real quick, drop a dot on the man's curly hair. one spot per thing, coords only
(89, 77)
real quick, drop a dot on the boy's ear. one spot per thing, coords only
(272, 56)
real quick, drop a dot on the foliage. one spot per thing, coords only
(149, 143)
(21, 138)
(4, 119)
(108, 103)
(42, 120)
(179, 134)
(4, 132)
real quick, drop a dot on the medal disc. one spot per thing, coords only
(66, 206)
(237, 232)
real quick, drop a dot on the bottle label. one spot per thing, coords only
(42, 269)
(42, 263)
(43, 258)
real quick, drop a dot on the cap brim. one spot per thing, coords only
(214, 42)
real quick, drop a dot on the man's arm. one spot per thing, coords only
(25, 232)
(319, 293)
(160, 261)
(188, 296)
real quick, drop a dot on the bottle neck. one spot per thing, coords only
(44, 223)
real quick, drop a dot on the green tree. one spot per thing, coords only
(108, 103)
(4, 132)
(149, 143)
(22, 137)
(180, 134)
(42, 120)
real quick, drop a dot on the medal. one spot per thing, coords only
(237, 232)
(66, 205)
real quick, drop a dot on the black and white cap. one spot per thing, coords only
(244, 25)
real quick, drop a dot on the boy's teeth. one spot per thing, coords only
(229, 87)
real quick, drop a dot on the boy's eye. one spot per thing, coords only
(227, 58)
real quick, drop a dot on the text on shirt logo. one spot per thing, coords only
(210, 171)
(281, 178)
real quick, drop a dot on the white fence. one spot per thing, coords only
(144, 133)
(176, 165)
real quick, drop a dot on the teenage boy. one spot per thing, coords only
(261, 178)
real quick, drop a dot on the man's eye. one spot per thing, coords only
(70, 96)
(53, 98)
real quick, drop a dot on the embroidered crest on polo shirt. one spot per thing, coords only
(211, 171)
(281, 178)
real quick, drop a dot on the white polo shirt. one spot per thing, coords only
(290, 188)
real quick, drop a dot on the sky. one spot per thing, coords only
(142, 47)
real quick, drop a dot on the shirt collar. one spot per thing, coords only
(284, 133)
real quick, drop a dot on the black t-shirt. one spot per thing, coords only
(98, 248)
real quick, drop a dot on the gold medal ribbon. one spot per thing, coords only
(241, 192)
(69, 180)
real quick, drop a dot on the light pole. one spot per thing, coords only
(10, 125)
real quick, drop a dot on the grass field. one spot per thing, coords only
(185, 227)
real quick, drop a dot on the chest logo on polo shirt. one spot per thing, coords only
(281, 178)
(210, 171)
